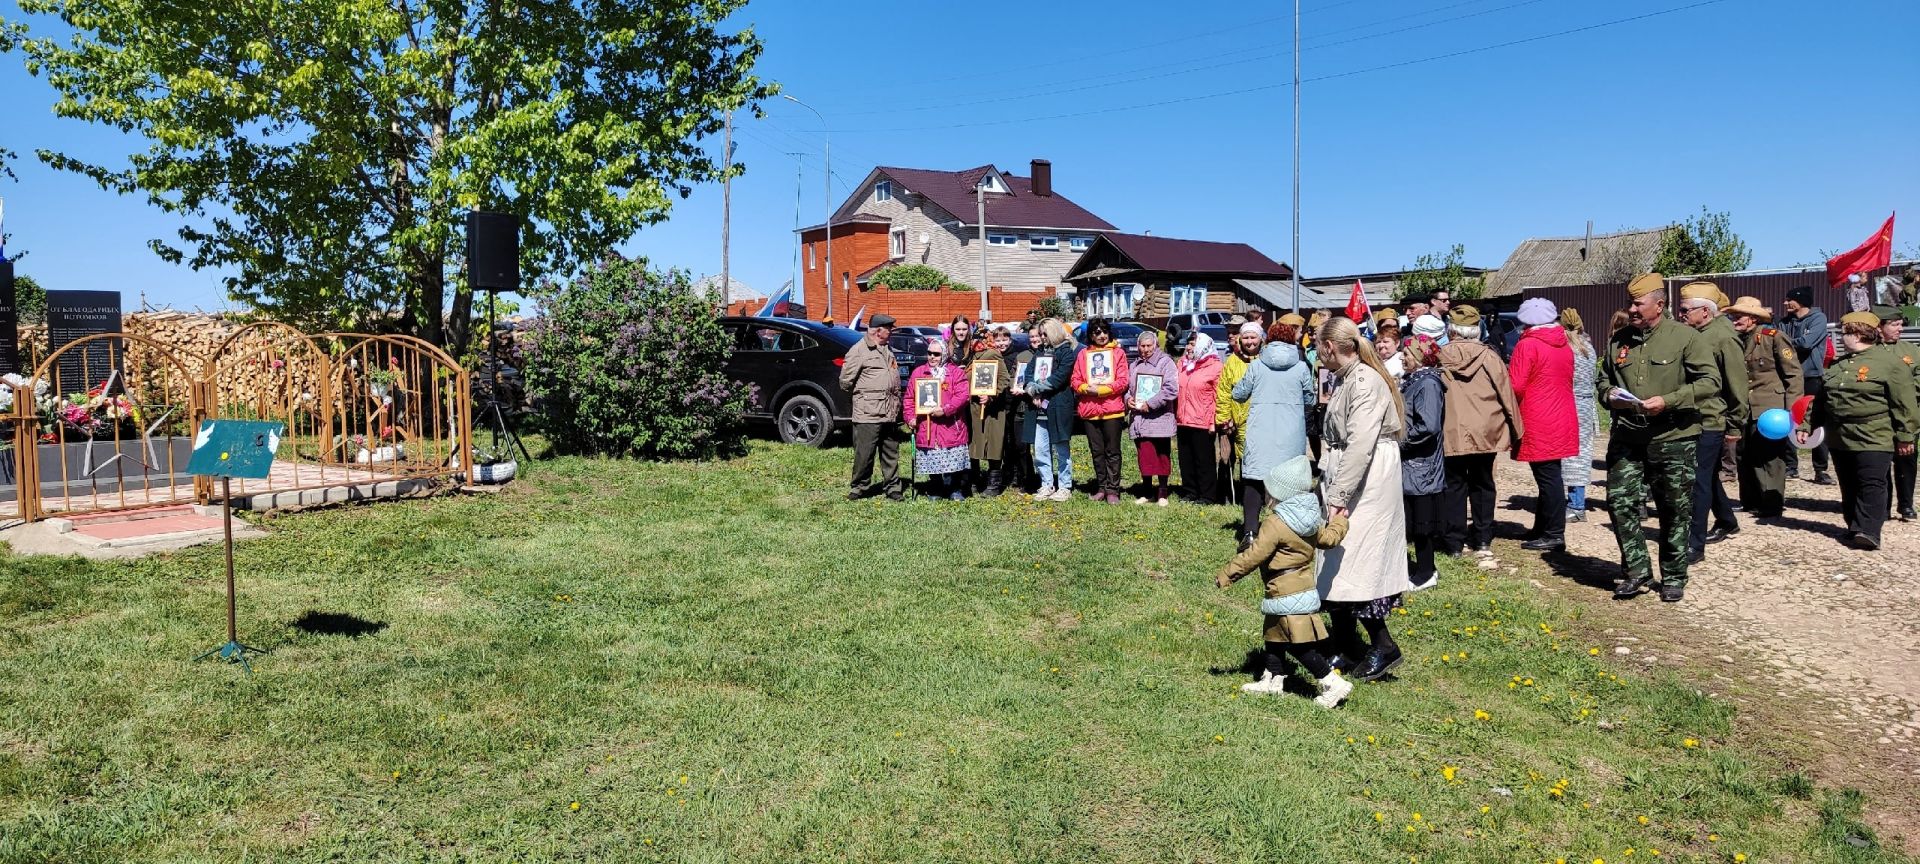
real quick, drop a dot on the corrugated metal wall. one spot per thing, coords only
(1597, 303)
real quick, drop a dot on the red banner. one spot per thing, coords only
(1874, 254)
(1357, 305)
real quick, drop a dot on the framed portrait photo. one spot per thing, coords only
(1042, 368)
(926, 396)
(1146, 386)
(1100, 368)
(985, 378)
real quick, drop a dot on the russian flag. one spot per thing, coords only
(777, 305)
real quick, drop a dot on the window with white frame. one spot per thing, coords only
(897, 243)
(1043, 242)
(883, 190)
(1079, 244)
(810, 256)
(1003, 239)
(1124, 295)
(1187, 299)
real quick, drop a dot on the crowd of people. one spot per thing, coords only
(1357, 457)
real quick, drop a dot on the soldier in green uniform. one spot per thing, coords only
(1773, 381)
(1656, 374)
(1892, 323)
(1723, 416)
(1867, 407)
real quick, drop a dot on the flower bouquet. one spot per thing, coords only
(379, 447)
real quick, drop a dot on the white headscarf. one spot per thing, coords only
(1199, 348)
(937, 342)
(1252, 328)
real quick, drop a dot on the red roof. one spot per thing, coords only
(1018, 208)
(1167, 254)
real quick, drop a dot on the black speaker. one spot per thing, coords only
(493, 251)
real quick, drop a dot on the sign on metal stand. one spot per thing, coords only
(227, 449)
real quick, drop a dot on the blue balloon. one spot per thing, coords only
(1776, 423)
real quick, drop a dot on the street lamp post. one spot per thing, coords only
(828, 134)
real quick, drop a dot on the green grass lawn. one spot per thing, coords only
(615, 661)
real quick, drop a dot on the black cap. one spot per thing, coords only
(881, 320)
(1802, 295)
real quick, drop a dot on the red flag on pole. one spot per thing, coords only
(1874, 254)
(1357, 305)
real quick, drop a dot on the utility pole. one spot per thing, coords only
(799, 172)
(1296, 156)
(726, 217)
(828, 134)
(980, 195)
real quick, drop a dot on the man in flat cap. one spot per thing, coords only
(1893, 322)
(1723, 416)
(1656, 375)
(1806, 327)
(1773, 381)
(871, 375)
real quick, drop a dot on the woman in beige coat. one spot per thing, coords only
(1362, 578)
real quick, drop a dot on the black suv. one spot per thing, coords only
(795, 367)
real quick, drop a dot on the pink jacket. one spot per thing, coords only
(948, 428)
(1542, 375)
(1196, 406)
(1104, 401)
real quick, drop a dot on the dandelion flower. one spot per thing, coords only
(1484, 808)
(1370, 739)
(1379, 816)
(1713, 838)
(1643, 820)
(1219, 740)
(1595, 652)
(1463, 655)
(1481, 715)
(1739, 858)
(683, 779)
(574, 806)
(1350, 739)
(1416, 816)
(1690, 743)
(1447, 772)
(396, 775)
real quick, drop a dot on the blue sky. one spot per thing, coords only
(1799, 119)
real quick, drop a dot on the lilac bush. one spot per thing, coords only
(628, 361)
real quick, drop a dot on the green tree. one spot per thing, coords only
(1705, 243)
(915, 277)
(1438, 271)
(325, 152)
(29, 300)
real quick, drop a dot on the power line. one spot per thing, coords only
(1265, 87)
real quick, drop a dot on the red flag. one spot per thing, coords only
(1874, 254)
(1357, 305)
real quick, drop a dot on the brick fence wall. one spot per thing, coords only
(939, 306)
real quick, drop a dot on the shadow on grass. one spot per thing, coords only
(319, 623)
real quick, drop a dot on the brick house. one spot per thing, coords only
(1145, 277)
(919, 216)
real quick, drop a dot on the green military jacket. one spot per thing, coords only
(1668, 360)
(1868, 402)
(1727, 407)
(1773, 371)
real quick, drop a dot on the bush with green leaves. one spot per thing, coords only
(629, 361)
(915, 277)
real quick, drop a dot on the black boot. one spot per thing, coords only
(1552, 542)
(1378, 663)
(1631, 586)
(996, 483)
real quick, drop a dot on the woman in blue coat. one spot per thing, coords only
(1054, 411)
(1423, 475)
(1277, 389)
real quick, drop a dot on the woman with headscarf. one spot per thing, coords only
(1423, 470)
(1100, 380)
(1277, 390)
(1542, 377)
(1194, 418)
(989, 414)
(1363, 578)
(1576, 471)
(1054, 409)
(1152, 424)
(940, 436)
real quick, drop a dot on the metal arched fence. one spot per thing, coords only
(106, 423)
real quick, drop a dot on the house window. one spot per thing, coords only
(809, 256)
(1043, 242)
(992, 183)
(1187, 299)
(897, 244)
(1003, 239)
(883, 190)
(1079, 244)
(1124, 294)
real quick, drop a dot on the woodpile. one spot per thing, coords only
(267, 371)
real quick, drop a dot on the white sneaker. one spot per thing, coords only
(1162, 502)
(1269, 684)
(1142, 500)
(1064, 493)
(1422, 586)
(1333, 690)
(1044, 493)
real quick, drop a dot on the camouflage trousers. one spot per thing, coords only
(1663, 472)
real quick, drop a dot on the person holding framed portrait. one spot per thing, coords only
(1022, 414)
(1101, 381)
(1056, 406)
(989, 379)
(936, 399)
(1153, 392)
(1194, 417)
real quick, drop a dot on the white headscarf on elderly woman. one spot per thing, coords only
(936, 361)
(1199, 348)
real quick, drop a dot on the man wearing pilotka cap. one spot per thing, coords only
(1892, 323)
(1773, 381)
(1656, 374)
(1723, 416)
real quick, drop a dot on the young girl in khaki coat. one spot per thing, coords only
(1284, 552)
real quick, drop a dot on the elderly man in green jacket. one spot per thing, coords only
(1723, 416)
(871, 375)
(1656, 374)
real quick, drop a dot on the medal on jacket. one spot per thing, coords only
(1862, 375)
(1622, 359)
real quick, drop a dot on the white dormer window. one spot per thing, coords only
(1003, 239)
(1043, 243)
(883, 190)
(1080, 244)
(992, 183)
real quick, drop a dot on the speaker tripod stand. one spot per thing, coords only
(499, 422)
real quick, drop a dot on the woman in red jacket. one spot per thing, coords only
(1542, 375)
(1100, 378)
